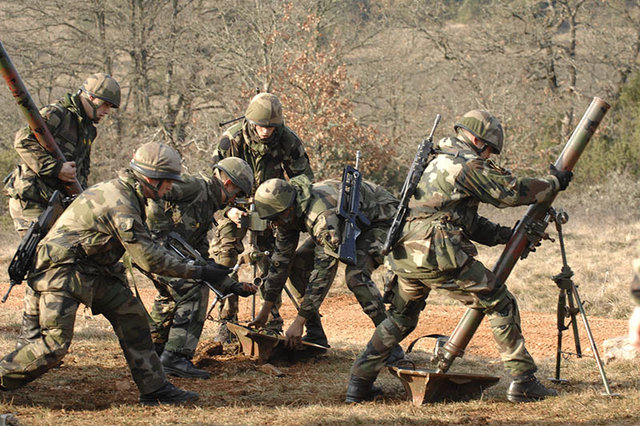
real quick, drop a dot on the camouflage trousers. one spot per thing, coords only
(23, 213)
(178, 314)
(474, 285)
(58, 303)
(357, 277)
(226, 247)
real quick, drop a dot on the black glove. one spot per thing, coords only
(243, 289)
(213, 272)
(563, 176)
(504, 234)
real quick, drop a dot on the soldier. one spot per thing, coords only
(634, 321)
(299, 206)
(78, 262)
(436, 252)
(273, 151)
(179, 309)
(72, 124)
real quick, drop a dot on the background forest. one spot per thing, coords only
(358, 74)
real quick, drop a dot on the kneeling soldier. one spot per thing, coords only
(436, 252)
(78, 262)
(179, 309)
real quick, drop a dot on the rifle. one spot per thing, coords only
(527, 234)
(233, 120)
(23, 258)
(349, 210)
(420, 161)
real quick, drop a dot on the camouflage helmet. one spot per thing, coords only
(273, 197)
(483, 125)
(157, 161)
(238, 171)
(264, 110)
(104, 87)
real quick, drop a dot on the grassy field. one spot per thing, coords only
(93, 386)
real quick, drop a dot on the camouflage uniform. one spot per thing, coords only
(179, 309)
(315, 263)
(435, 252)
(282, 154)
(78, 262)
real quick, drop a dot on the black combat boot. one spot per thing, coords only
(397, 354)
(360, 390)
(528, 389)
(168, 394)
(179, 365)
(315, 332)
(29, 330)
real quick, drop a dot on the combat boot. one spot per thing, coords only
(528, 389)
(168, 394)
(315, 332)
(360, 390)
(397, 354)
(29, 330)
(180, 366)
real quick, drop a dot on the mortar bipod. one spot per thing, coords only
(569, 305)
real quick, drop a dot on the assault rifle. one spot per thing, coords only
(349, 210)
(23, 258)
(420, 161)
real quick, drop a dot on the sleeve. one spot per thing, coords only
(285, 248)
(146, 252)
(38, 159)
(222, 149)
(498, 187)
(297, 162)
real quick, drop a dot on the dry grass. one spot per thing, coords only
(93, 386)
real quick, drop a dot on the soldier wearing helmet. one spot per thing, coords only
(272, 150)
(436, 251)
(72, 124)
(179, 309)
(297, 207)
(79, 262)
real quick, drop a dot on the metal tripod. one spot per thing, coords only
(569, 305)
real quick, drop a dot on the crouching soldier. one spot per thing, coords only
(78, 262)
(179, 309)
(436, 252)
(299, 206)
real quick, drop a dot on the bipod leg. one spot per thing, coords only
(572, 311)
(562, 306)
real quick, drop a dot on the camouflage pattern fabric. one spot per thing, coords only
(315, 213)
(435, 251)
(36, 177)
(180, 307)
(281, 155)
(78, 262)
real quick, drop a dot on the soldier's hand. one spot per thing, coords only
(294, 333)
(214, 272)
(563, 176)
(504, 234)
(67, 172)
(243, 289)
(261, 318)
(235, 215)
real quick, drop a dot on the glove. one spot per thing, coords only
(503, 234)
(563, 176)
(243, 289)
(213, 272)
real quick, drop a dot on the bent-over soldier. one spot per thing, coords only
(78, 262)
(435, 251)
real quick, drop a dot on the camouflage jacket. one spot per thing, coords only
(284, 152)
(315, 213)
(635, 283)
(443, 217)
(187, 209)
(36, 177)
(95, 231)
